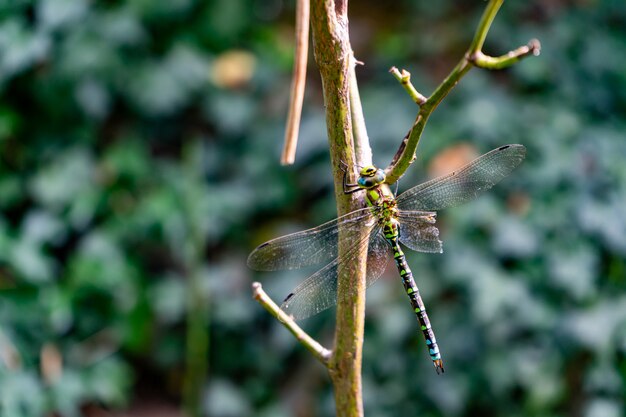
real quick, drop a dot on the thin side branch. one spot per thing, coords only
(320, 352)
(298, 82)
(362, 150)
(474, 57)
(404, 78)
(495, 63)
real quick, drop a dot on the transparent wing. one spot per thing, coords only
(306, 248)
(418, 231)
(319, 291)
(377, 256)
(465, 184)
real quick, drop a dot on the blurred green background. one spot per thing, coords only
(139, 146)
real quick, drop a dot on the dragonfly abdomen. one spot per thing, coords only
(417, 303)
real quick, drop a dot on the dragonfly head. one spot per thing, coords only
(370, 176)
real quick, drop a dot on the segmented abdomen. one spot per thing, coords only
(416, 302)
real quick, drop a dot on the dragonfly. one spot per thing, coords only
(381, 227)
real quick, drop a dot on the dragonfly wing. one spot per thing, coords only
(319, 291)
(418, 231)
(377, 256)
(314, 295)
(465, 184)
(306, 248)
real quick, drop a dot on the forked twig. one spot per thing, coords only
(405, 154)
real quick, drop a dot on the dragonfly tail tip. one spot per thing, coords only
(439, 366)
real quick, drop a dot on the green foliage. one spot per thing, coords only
(134, 175)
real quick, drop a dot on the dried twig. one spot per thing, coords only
(297, 83)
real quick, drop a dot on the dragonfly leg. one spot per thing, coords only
(355, 187)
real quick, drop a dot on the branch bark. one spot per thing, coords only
(333, 55)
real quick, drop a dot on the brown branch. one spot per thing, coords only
(298, 83)
(333, 54)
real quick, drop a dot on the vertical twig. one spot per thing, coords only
(362, 150)
(298, 82)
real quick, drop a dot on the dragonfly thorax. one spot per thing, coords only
(391, 228)
(370, 176)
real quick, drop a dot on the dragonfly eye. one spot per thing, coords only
(371, 177)
(368, 171)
